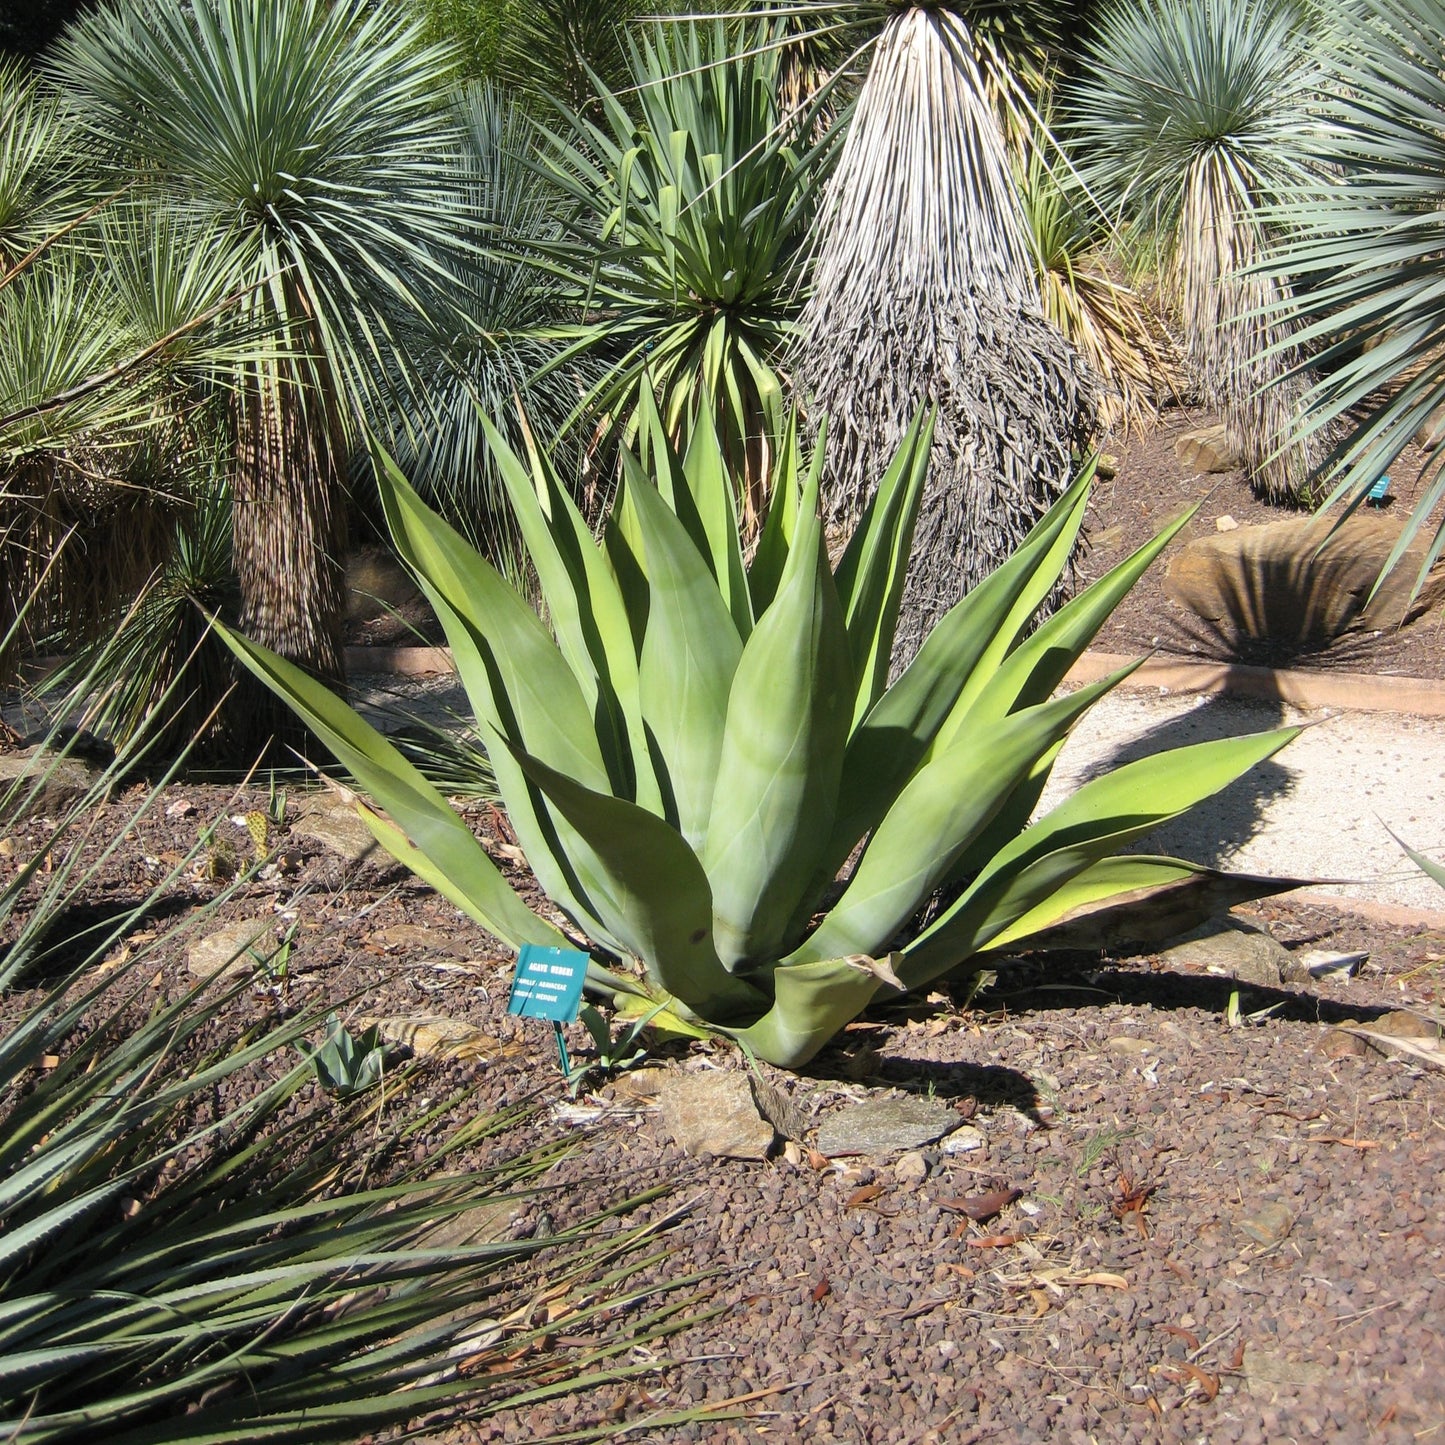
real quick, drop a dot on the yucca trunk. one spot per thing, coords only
(289, 538)
(925, 295)
(1237, 338)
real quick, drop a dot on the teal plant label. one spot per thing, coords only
(548, 983)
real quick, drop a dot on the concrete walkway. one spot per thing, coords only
(1317, 809)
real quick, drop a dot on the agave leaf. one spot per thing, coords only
(890, 742)
(1428, 866)
(1136, 900)
(874, 566)
(811, 1003)
(421, 814)
(1039, 664)
(689, 655)
(937, 814)
(1103, 816)
(519, 685)
(784, 511)
(661, 897)
(777, 781)
(586, 609)
(710, 486)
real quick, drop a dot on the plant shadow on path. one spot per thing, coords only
(1217, 828)
(990, 1086)
(1166, 990)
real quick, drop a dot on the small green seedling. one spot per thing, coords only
(1236, 1018)
(345, 1065)
(615, 1052)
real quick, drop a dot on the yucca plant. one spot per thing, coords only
(1363, 254)
(694, 750)
(692, 196)
(195, 1245)
(1193, 118)
(507, 344)
(1084, 292)
(314, 137)
(924, 293)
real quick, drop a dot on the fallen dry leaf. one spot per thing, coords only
(993, 1241)
(1426, 1050)
(864, 1195)
(1057, 1276)
(981, 1207)
(1236, 1360)
(818, 1161)
(1180, 1333)
(1352, 1143)
(822, 1290)
(1188, 1374)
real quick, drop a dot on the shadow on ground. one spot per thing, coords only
(1220, 826)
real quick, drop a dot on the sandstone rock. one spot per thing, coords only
(59, 781)
(887, 1126)
(1226, 523)
(1276, 583)
(433, 1036)
(234, 949)
(1432, 430)
(1231, 946)
(412, 939)
(337, 828)
(1208, 449)
(714, 1113)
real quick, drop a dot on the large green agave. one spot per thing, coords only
(693, 747)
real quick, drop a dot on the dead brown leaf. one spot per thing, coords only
(1188, 1374)
(861, 1196)
(822, 1290)
(992, 1241)
(818, 1161)
(982, 1207)
(1351, 1143)
(1190, 1339)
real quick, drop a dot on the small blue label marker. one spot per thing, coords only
(548, 983)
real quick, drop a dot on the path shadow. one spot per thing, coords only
(989, 1085)
(1166, 990)
(1213, 831)
(73, 937)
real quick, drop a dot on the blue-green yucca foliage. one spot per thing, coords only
(693, 745)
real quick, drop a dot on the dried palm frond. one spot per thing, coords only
(1086, 295)
(924, 291)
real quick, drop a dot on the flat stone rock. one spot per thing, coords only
(886, 1126)
(1432, 430)
(342, 833)
(61, 780)
(434, 1036)
(1209, 449)
(714, 1112)
(1272, 1376)
(785, 1115)
(1277, 583)
(1268, 1224)
(1233, 947)
(412, 938)
(235, 948)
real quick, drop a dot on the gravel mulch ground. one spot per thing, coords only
(1152, 487)
(1222, 1231)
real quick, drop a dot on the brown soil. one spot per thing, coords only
(1151, 488)
(1122, 1297)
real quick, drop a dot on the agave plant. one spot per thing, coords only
(694, 749)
